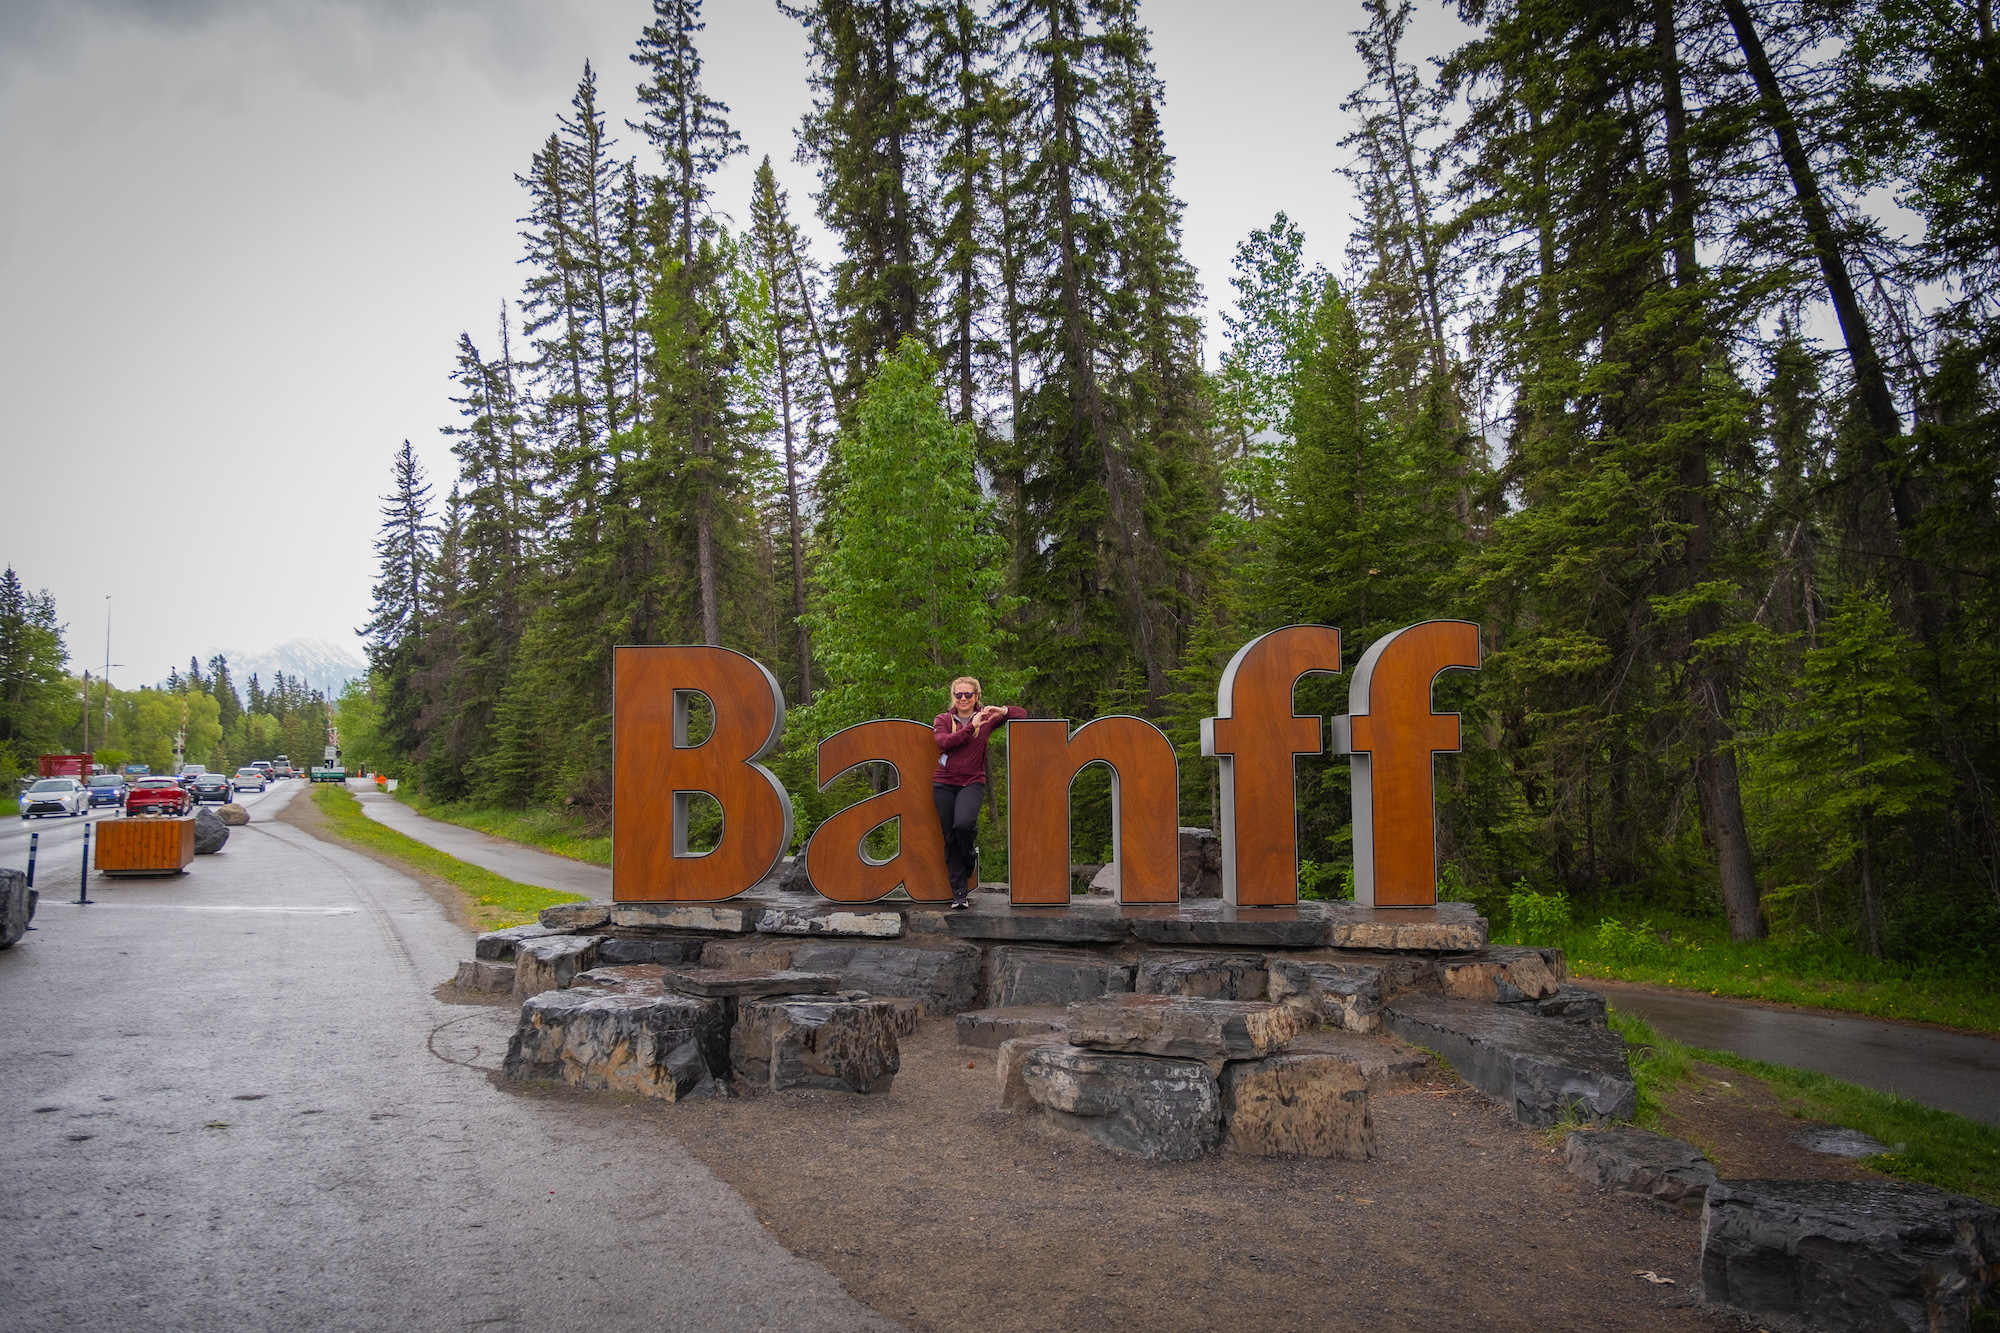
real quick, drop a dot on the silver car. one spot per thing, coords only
(55, 796)
(250, 777)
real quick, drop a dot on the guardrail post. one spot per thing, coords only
(34, 845)
(83, 880)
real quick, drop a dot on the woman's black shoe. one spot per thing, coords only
(959, 904)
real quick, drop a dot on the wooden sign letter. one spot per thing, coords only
(655, 769)
(1255, 736)
(1392, 734)
(837, 863)
(1043, 759)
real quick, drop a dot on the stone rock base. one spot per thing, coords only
(476, 974)
(1159, 1109)
(1181, 1028)
(1342, 995)
(1572, 1004)
(1849, 1255)
(661, 1046)
(1010, 1062)
(989, 1028)
(1540, 1070)
(815, 1042)
(17, 907)
(1298, 1106)
(551, 962)
(1027, 976)
(498, 945)
(1382, 1064)
(1632, 1160)
(1205, 976)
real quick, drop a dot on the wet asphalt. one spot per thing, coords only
(524, 865)
(231, 1102)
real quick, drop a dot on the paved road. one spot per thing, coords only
(1956, 1071)
(232, 1103)
(60, 855)
(524, 865)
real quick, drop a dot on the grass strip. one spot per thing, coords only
(1926, 1145)
(547, 829)
(1700, 956)
(500, 901)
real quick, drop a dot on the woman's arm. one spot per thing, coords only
(950, 737)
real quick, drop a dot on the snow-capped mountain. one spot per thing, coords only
(322, 665)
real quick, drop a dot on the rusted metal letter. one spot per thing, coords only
(837, 862)
(1392, 734)
(655, 769)
(1255, 736)
(1043, 758)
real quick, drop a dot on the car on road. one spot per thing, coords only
(55, 796)
(266, 767)
(107, 789)
(251, 776)
(211, 787)
(157, 796)
(284, 767)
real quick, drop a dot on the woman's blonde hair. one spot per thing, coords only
(973, 681)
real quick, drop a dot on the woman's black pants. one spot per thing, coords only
(958, 813)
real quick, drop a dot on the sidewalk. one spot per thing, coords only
(524, 865)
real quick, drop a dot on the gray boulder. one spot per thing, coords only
(748, 983)
(945, 978)
(1505, 975)
(1342, 995)
(1010, 1061)
(1207, 976)
(671, 951)
(1849, 1255)
(792, 877)
(1298, 1106)
(576, 916)
(815, 1042)
(17, 907)
(1183, 1028)
(210, 833)
(1572, 1004)
(1029, 976)
(232, 814)
(552, 962)
(1201, 864)
(1539, 1068)
(1158, 1109)
(1637, 1162)
(661, 1046)
(992, 1028)
(476, 974)
(498, 945)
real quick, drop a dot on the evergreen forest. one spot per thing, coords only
(1663, 347)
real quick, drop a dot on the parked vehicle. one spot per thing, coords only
(76, 766)
(157, 796)
(107, 789)
(215, 787)
(55, 796)
(251, 776)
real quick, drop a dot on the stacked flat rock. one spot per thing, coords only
(1183, 1028)
(642, 1040)
(1638, 1162)
(551, 962)
(1342, 995)
(1204, 976)
(799, 1041)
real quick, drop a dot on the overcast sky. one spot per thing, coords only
(239, 238)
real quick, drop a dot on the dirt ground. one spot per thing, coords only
(943, 1212)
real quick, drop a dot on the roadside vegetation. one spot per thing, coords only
(1689, 952)
(494, 901)
(1926, 1145)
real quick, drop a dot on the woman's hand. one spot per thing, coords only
(989, 714)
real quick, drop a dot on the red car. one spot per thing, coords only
(157, 796)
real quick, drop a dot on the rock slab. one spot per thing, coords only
(1298, 1106)
(945, 978)
(1159, 1109)
(1053, 925)
(815, 1042)
(1301, 927)
(1342, 995)
(1849, 1255)
(714, 918)
(661, 1046)
(498, 945)
(714, 982)
(1572, 1004)
(1381, 1063)
(552, 962)
(17, 907)
(576, 916)
(210, 833)
(1201, 864)
(1182, 1028)
(477, 974)
(685, 951)
(1207, 976)
(1446, 928)
(1539, 1068)
(1031, 976)
(1638, 1162)
(993, 1028)
(829, 921)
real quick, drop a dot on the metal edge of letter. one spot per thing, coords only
(1225, 706)
(1117, 803)
(862, 849)
(1361, 764)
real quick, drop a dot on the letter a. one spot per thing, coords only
(1256, 737)
(654, 770)
(1392, 734)
(1043, 758)
(837, 862)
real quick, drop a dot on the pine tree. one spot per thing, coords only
(395, 629)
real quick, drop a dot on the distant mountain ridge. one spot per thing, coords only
(322, 665)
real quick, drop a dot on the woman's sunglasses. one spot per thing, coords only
(964, 694)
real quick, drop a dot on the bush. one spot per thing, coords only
(1623, 943)
(1536, 918)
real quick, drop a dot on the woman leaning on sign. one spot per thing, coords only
(959, 784)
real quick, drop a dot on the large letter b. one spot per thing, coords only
(655, 769)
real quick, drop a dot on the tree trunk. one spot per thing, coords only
(1868, 894)
(792, 518)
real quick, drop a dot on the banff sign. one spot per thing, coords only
(1389, 731)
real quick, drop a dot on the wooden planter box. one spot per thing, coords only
(145, 845)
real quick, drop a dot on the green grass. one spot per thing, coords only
(1926, 1145)
(550, 830)
(1702, 957)
(499, 901)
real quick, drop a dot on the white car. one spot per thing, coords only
(55, 796)
(249, 777)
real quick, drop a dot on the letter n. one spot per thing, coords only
(837, 862)
(1256, 738)
(1043, 758)
(654, 769)
(1392, 734)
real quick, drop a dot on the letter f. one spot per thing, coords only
(1392, 733)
